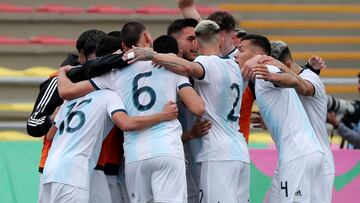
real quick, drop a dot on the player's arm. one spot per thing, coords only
(39, 122)
(97, 67)
(131, 123)
(192, 101)
(69, 90)
(51, 133)
(169, 61)
(286, 78)
(188, 9)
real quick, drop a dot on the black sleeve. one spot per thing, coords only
(308, 66)
(48, 99)
(97, 67)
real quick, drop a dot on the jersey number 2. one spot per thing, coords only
(231, 116)
(65, 125)
(137, 91)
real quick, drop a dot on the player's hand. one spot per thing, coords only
(138, 54)
(53, 115)
(268, 60)
(262, 72)
(65, 69)
(246, 69)
(257, 121)
(317, 62)
(170, 111)
(185, 3)
(200, 128)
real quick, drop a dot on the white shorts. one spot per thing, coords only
(99, 189)
(59, 192)
(158, 179)
(224, 181)
(300, 180)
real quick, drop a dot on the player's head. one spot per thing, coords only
(115, 33)
(183, 31)
(80, 42)
(166, 44)
(237, 36)
(135, 34)
(252, 45)
(281, 52)
(207, 35)
(107, 45)
(91, 44)
(227, 26)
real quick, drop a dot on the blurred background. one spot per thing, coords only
(36, 35)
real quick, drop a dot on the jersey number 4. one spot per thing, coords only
(231, 115)
(70, 115)
(146, 89)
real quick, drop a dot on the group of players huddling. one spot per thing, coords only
(178, 101)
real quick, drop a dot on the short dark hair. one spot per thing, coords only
(80, 42)
(177, 25)
(280, 51)
(166, 44)
(131, 32)
(116, 34)
(224, 19)
(91, 44)
(107, 45)
(259, 41)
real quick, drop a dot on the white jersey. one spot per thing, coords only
(286, 120)
(316, 109)
(221, 89)
(82, 124)
(145, 90)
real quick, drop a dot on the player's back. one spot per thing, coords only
(145, 90)
(82, 125)
(316, 109)
(221, 89)
(286, 120)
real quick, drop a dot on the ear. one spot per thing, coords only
(288, 64)
(124, 47)
(148, 38)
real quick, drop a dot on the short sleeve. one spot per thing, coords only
(102, 82)
(114, 103)
(315, 81)
(183, 82)
(206, 63)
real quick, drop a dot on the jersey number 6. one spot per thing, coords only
(136, 92)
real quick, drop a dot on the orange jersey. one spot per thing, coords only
(44, 153)
(245, 113)
(111, 148)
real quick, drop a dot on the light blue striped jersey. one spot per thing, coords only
(221, 89)
(286, 120)
(145, 90)
(82, 124)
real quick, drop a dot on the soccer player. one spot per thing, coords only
(82, 125)
(154, 158)
(299, 176)
(223, 156)
(312, 95)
